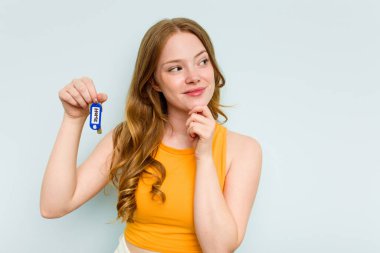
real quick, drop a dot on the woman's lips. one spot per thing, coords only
(195, 93)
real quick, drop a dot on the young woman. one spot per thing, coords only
(185, 182)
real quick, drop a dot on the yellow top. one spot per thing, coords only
(169, 227)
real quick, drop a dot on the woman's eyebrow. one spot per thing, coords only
(178, 60)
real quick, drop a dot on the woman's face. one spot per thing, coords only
(184, 65)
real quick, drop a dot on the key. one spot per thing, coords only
(96, 117)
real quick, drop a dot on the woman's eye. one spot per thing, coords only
(170, 70)
(205, 61)
(179, 68)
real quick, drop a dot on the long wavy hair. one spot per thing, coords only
(137, 138)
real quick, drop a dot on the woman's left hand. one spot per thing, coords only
(200, 127)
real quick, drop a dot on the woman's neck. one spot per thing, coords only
(175, 134)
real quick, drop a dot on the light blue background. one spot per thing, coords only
(304, 76)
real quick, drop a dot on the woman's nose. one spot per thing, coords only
(192, 76)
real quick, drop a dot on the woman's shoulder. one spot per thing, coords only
(238, 140)
(240, 146)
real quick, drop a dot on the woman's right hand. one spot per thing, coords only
(78, 95)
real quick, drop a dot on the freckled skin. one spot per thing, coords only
(176, 78)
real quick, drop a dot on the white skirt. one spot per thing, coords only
(122, 247)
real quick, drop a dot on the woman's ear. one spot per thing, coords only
(155, 85)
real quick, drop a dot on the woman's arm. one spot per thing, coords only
(64, 187)
(221, 218)
(214, 224)
(59, 180)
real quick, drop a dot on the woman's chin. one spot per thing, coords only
(190, 106)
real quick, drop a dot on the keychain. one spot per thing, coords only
(96, 117)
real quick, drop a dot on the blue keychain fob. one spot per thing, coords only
(96, 117)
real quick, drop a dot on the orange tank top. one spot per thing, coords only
(169, 227)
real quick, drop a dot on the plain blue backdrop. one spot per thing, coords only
(304, 79)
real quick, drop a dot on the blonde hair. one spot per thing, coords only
(137, 138)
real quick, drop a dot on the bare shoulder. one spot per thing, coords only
(240, 146)
(237, 141)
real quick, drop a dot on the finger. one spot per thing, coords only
(202, 109)
(91, 88)
(197, 117)
(102, 97)
(193, 129)
(190, 130)
(207, 112)
(69, 98)
(82, 89)
(78, 98)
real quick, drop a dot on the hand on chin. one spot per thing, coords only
(200, 128)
